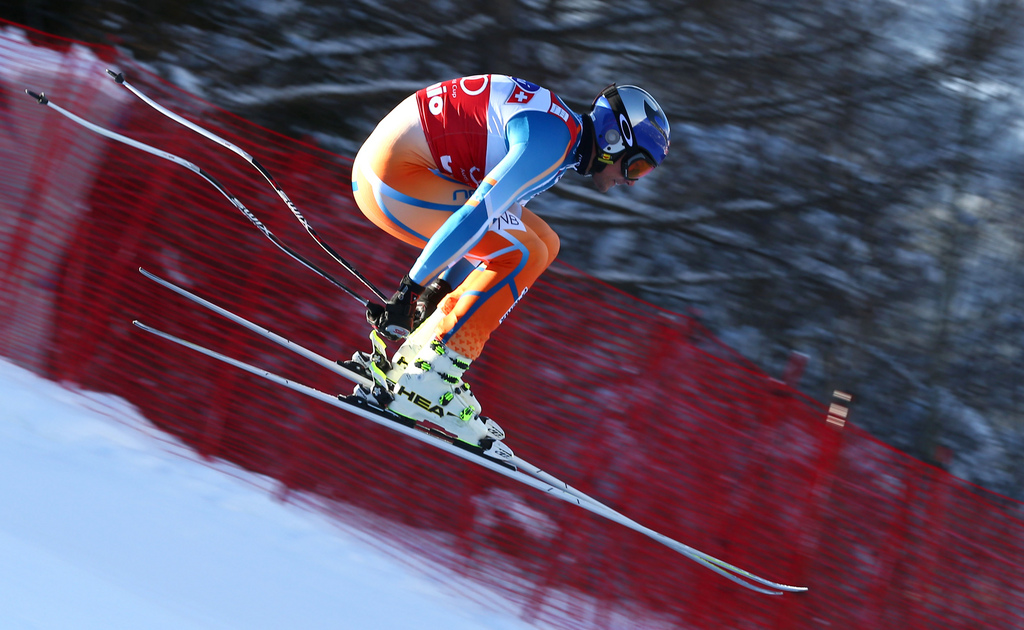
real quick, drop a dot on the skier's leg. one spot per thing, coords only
(430, 365)
(513, 260)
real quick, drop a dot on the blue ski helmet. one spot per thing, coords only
(628, 122)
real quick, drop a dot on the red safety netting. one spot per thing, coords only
(641, 408)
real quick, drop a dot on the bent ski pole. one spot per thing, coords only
(44, 100)
(119, 78)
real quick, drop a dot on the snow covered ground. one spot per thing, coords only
(104, 525)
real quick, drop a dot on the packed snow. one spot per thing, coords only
(107, 524)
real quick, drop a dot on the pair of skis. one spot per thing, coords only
(516, 468)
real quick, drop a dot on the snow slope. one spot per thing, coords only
(105, 525)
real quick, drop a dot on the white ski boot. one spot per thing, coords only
(428, 388)
(377, 367)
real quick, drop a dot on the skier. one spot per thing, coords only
(632, 122)
(449, 171)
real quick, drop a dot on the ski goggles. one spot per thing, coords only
(637, 165)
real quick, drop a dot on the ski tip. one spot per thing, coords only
(41, 98)
(116, 76)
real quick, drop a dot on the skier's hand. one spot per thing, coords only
(394, 320)
(391, 321)
(377, 316)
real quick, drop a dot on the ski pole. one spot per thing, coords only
(44, 100)
(119, 78)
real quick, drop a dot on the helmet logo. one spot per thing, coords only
(627, 129)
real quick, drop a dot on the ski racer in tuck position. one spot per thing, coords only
(449, 171)
(524, 151)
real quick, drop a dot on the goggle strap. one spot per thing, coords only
(614, 100)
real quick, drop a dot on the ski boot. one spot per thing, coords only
(376, 366)
(428, 387)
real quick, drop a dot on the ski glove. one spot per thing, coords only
(394, 320)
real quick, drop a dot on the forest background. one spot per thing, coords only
(845, 178)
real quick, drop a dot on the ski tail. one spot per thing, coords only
(305, 353)
(351, 404)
